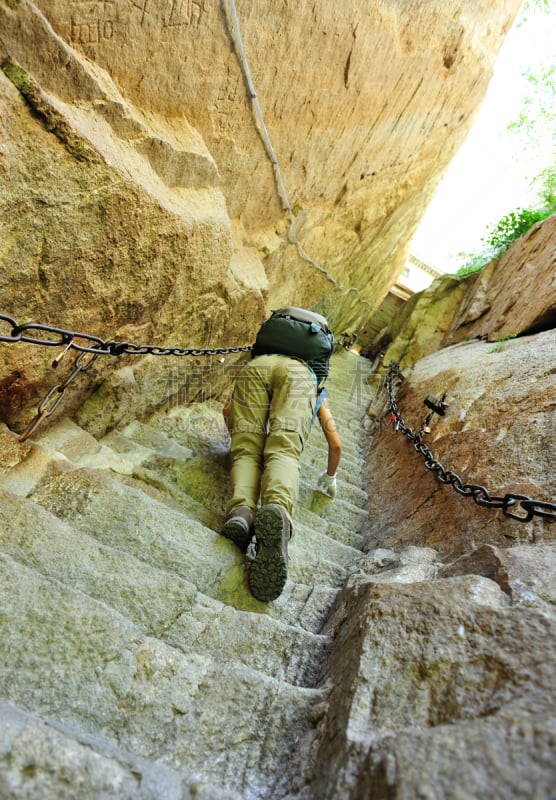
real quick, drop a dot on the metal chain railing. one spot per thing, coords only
(88, 346)
(94, 344)
(480, 494)
(54, 396)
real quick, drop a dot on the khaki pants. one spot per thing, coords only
(272, 407)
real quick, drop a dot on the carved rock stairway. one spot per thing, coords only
(135, 663)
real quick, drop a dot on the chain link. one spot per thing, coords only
(50, 402)
(509, 503)
(91, 347)
(94, 344)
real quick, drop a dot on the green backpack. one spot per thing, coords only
(298, 333)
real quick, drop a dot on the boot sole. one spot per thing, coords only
(236, 530)
(269, 571)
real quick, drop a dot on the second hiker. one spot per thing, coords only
(275, 399)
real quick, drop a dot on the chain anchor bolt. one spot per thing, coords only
(437, 406)
(60, 356)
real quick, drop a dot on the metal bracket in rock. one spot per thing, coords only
(515, 506)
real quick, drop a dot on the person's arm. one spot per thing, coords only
(332, 438)
(327, 481)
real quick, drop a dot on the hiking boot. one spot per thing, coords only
(239, 527)
(269, 570)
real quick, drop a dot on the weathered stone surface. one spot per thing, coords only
(91, 667)
(526, 573)
(438, 690)
(140, 203)
(411, 565)
(498, 432)
(138, 660)
(42, 759)
(422, 325)
(516, 294)
(483, 758)
(111, 580)
(323, 59)
(94, 238)
(499, 302)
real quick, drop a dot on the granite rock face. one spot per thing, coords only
(451, 717)
(515, 294)
(411, 653)
(444, 694)
(140, 201)
(499, 432)
(512, 296)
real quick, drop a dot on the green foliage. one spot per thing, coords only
(545, 183)
(511, 227)
(472, 263)
(536, 122)
(499, 346)
(535, 132)
(501, 236)
(532, 6)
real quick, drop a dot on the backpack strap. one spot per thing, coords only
(322, 394)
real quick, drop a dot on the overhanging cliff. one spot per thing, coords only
(140, 202)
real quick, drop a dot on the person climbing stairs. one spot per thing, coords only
(131, 643)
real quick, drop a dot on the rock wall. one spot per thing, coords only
(486, 345)
(512, 296)
(437, 676)
(410, 655)
(499, 431)
(140, 201)
(446, 692)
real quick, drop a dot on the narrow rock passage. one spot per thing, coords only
(131, 644)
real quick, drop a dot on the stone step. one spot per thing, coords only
(162, 603)
(65, 446)
(170, 475)
(200, 426)
(25, 465)
(348, 406)
(351, 469)
(61, 761)
(198, 477)
(339, 511)
(351, 388)
(143, 631)
(317, 558)
(317, 448)
(315, 522)
(125, 518)
(351, 429)
(349, 492)
(84, 663)
(195, 482)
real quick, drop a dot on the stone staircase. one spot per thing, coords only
(135, 662)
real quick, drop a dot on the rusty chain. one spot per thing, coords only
(91, 347)
(94, 344)
(50, 402)
(480, 494)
